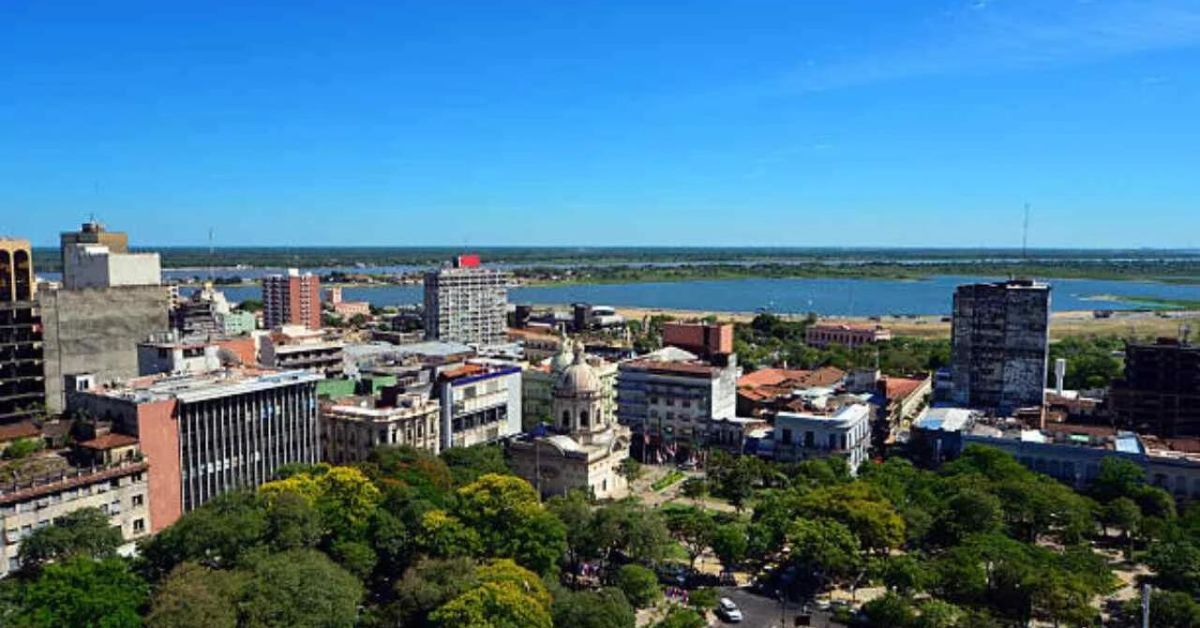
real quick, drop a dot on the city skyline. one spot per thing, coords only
(927, 124)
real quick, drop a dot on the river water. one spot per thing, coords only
(835, 297)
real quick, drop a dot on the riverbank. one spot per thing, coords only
(1062, 324)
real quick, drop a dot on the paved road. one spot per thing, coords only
(765, 612)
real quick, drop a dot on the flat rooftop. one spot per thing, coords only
(198, 387)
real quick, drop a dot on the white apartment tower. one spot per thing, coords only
(466, 303)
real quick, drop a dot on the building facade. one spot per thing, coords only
(670, 399)
(120, 490)
(822, 335)
(537, 383)
(97, 331)
(704, 339)
(293, 347)
(846, 433)
(22, 380)
(1000, 345)
(292, 299)
(352, 426)
(467, 303)
(1160, 390)
(586, 446)
(480, 403)
(209, 434)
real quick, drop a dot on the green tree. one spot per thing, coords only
(606, 608)
(1176, 563)
(511, 521)
(1124, 515)
(468, 464)
(84, 532)
(905, 574)
(22, 448)
(679, 617)
(935, 613)
(293, 523)
(631, 470)
(355, 557)
(693, 528)
(889, 610)
(574, 509)
(300, 588)
(823, 547)
(193, 596)
(703, 599)
(492, 605)
(84, 592)
(430, 584)
(639, 585)
(970, 511)
(729, 543)
(442, 535)
(1168, 609)
(217, 534)
(1117, 477)
(505, 571)
(694, 488)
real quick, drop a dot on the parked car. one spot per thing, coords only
(729, 611)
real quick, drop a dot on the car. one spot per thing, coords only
(729, 611)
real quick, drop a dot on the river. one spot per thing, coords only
(835, 297)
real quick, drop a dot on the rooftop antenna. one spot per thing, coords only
(1025, 236)
(210, 254)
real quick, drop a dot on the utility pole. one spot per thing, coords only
(1145, 606)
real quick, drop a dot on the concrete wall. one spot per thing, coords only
(97, 331)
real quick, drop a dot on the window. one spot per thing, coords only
(115, 482)
(138, 500)
(583, 418)
(566, 418)
(139, 526)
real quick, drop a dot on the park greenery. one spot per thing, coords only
(407, 538)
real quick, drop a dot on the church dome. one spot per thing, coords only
(560, 361)
(578, 380)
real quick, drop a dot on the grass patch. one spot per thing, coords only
(672, 477)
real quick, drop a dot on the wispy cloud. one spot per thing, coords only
(989, 36)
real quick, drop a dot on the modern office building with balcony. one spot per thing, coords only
(22, 381)
(467, 303)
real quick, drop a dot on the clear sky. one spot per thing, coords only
(617, 122)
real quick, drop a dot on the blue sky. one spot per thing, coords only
(916, 123)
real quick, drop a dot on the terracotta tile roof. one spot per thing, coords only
(464, 371)
(24, 429)
(109, 441)
(901, 387)
(791, 379)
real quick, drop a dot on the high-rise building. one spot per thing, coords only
(210, 433)
(110, 301)
(671, 399)
(467, 303)
(1000, 344)
(95, 258)
(92, 232)
(1160, 392)
(292, 299)
(22, 382)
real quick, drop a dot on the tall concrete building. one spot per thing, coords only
(211, 433)
(1000, 344)
(1160, 391)
(92, 232)
(22, 382)
(110, 301)
(292, 299)
(95, 258)
(671, 399)
(467, 303)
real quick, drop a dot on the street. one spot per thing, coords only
(760, 611)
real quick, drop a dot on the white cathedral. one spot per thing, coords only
(585, 447)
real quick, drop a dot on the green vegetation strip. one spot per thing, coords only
(670, 478)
